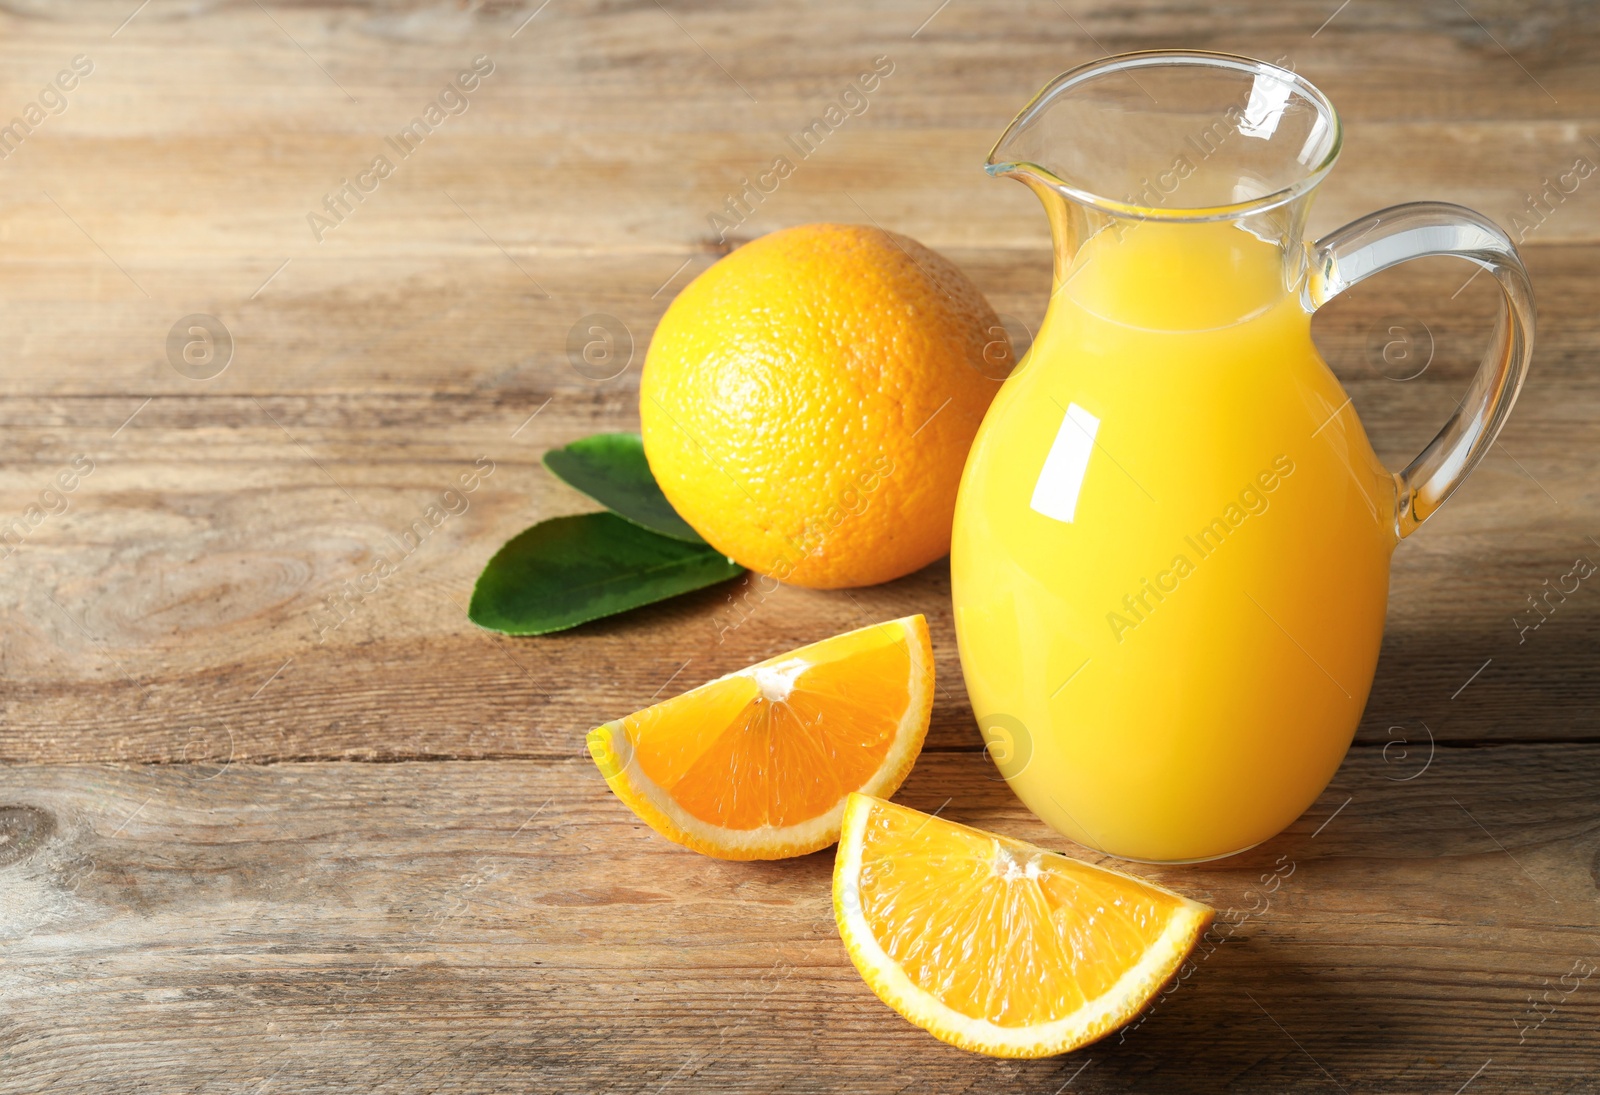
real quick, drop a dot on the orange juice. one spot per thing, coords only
(1171, 552)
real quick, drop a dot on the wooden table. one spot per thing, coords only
(244, 851)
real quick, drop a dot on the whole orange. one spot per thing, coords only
(808, 402)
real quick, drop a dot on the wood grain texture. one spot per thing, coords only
(203, 888)
(196, 558)
(496, 926)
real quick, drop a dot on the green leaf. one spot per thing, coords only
(570, 570)
(611, 469)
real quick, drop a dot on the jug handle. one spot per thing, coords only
(1390, 236)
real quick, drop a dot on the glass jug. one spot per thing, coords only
(1170, 562)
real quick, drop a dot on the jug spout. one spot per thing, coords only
(1020, 154)
(1165, 141)
(1070, 223)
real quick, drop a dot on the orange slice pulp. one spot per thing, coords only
(995, 945)
(757, 764)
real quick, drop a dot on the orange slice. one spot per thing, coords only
(994, 945)
(757, 764)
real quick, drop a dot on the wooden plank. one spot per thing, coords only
(318, 927)
(206, 171)
(185, 586)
